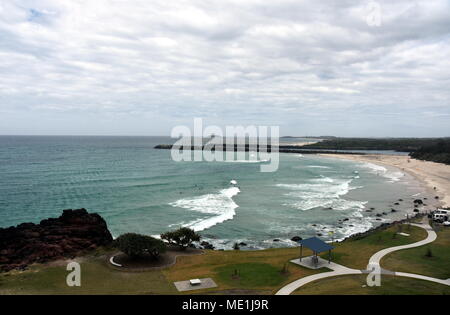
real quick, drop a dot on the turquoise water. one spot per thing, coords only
(139, 189)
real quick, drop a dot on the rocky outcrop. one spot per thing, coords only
(55, 238)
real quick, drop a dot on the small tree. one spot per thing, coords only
(136, 245)
(182, 237)
(429, 253)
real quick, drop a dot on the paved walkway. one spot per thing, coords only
(376, 258)
(339, 270)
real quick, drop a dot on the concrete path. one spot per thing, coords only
(376, 258)
(339, 270)
(291, 287)
(412, 275)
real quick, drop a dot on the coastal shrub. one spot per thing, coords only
(236, 246)
(137, 245)
(182, 237)
(436, 151)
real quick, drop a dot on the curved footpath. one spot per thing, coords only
(339, 270)
(376, 258)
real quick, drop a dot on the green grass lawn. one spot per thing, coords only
(356, 285)
(356, 253)
(260, 272)
(250, 275)
(96, 278)
(414, 260)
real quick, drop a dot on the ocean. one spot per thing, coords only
(137, 188)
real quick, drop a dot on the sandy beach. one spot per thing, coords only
(435, 175)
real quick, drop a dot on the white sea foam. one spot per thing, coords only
(318, 166)
(375, 167)
(323, 179)
(219, 207)
(356, 223)
(322, 192)
(393, 176)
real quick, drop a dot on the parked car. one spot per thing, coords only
(446, 223)
(441, 215)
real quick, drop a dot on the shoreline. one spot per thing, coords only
(434, 176)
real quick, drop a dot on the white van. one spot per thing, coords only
(441, 215)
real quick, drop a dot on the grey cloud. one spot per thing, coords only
(287, 62)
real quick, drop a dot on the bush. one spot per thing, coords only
(182, 237)
(136, 245)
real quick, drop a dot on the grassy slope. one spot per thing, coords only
(357, 285)
(220, 265)
(356, 253)
(96, 278)
(414, 260)
(260, 271)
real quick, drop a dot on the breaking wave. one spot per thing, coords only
(216, 208)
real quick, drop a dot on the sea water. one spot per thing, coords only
(137, 188)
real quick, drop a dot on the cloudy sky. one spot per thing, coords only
(134, 67)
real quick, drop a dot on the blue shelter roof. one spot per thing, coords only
(316, 244)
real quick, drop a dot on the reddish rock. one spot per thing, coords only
(52, 239)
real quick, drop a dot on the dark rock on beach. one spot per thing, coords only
(55, 238)
(206, 245)
(296, 239)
